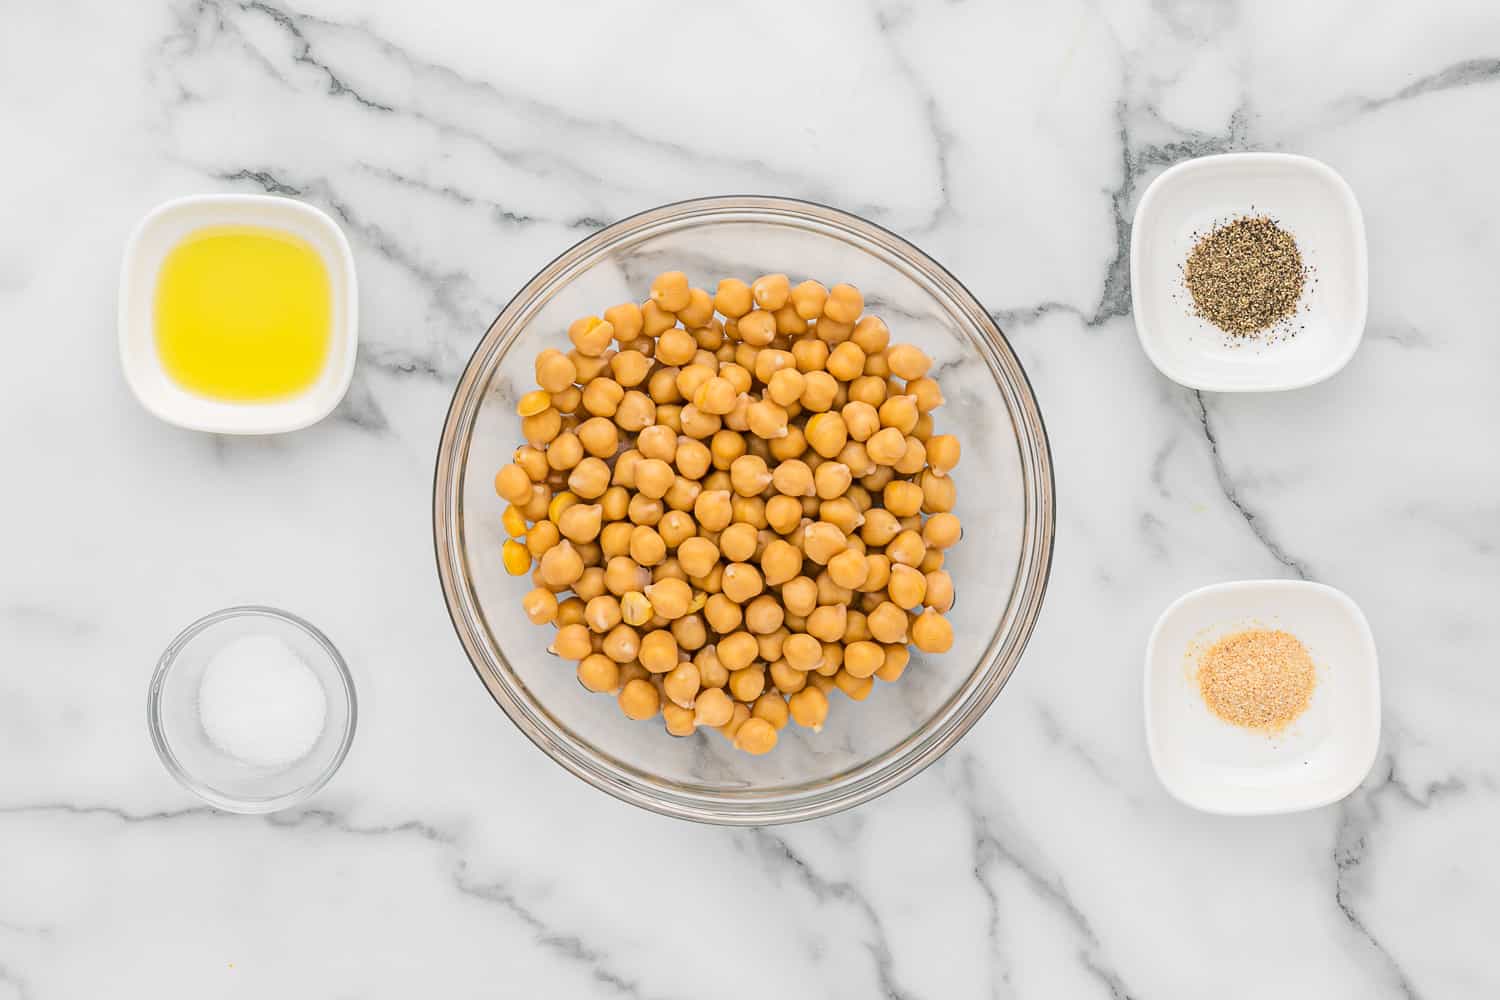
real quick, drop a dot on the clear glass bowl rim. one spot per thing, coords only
(875, 776)
(163, 746)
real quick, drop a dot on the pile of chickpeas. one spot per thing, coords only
(735, 504)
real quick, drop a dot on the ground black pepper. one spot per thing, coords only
(1245, 276)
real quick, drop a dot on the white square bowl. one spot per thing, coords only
(1217, 767)
(161, 230)
(1308, 199)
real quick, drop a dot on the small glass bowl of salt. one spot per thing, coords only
(251, 709)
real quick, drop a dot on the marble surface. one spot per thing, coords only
(463, 144)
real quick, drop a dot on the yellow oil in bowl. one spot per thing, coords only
(243, 313)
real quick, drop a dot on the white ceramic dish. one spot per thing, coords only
(156, 235)
(1211, 765)
(1310, 201)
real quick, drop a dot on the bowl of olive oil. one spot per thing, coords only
(238, 313)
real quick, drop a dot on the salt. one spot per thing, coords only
(259, 702)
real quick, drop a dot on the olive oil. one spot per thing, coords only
(243, 313)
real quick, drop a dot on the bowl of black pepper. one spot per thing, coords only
(1249, 272)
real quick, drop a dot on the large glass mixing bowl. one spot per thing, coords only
(999, 569)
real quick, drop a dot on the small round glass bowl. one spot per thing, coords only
(1005, 502)
(191, 757)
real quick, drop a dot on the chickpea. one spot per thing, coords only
(799, 595)
(771, 291)
(580, 522)
(535, 508)
(860, 419)
(643, 510)
(540, 605)
(826, 434)
(591, 335)
(856, 688)
(626, 320)
(902, 498)
(822, 541)
(844, 304)
(670, 291)
(908, 587)
(819, 390)
(831, 331)
(758, 328)
(827, 622)
(848, 569)
(669, 598)
(802, 652)
(742, 581)
(764, 615)
(658, 652)
(622, 575)
(572, 642)
(846, 362)
(754, 736)
(766, 419)
(793, 478)
(832, 479)
(682, 683)
(723, 614)
(569, 612)
(862, 659)
(932, 633)
(887, 623)
(808, 299)
(715, 395)
(769, 643)
(941, 530)
(646, 546)
(780, 562)
(886, 447)
(541, 538)
(747, 683)
(589, 478)
(533, 461)
(712, 708)
(598, 673)
(738, 543)
(749, 476)
(561, 565)
(899, 413)
(690, 632)
(906, 549)
(602, 396)
(938, 493)
(871, 335)
(908, 362)
(868, 389)
(639, 699)
(513, 484)
(736, 651)
(713, 509)
(770, 707)
(785, 678)
(636, 411)
(733, 298)
(808, 707)
(942, 453)
(785, 387)
(783, 514)
(554, 372)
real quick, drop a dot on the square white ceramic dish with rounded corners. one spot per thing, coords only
(161, 230)
(1217, 767)
(1308, 199)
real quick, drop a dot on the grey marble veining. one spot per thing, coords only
(461, 146)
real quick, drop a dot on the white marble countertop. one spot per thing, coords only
(463, 144)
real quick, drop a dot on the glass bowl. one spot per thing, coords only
(208, 772)
(1005, 502)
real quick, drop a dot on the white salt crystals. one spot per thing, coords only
(260, 703)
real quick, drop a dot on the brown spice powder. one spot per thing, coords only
(1245, 276)
(1259, 679)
